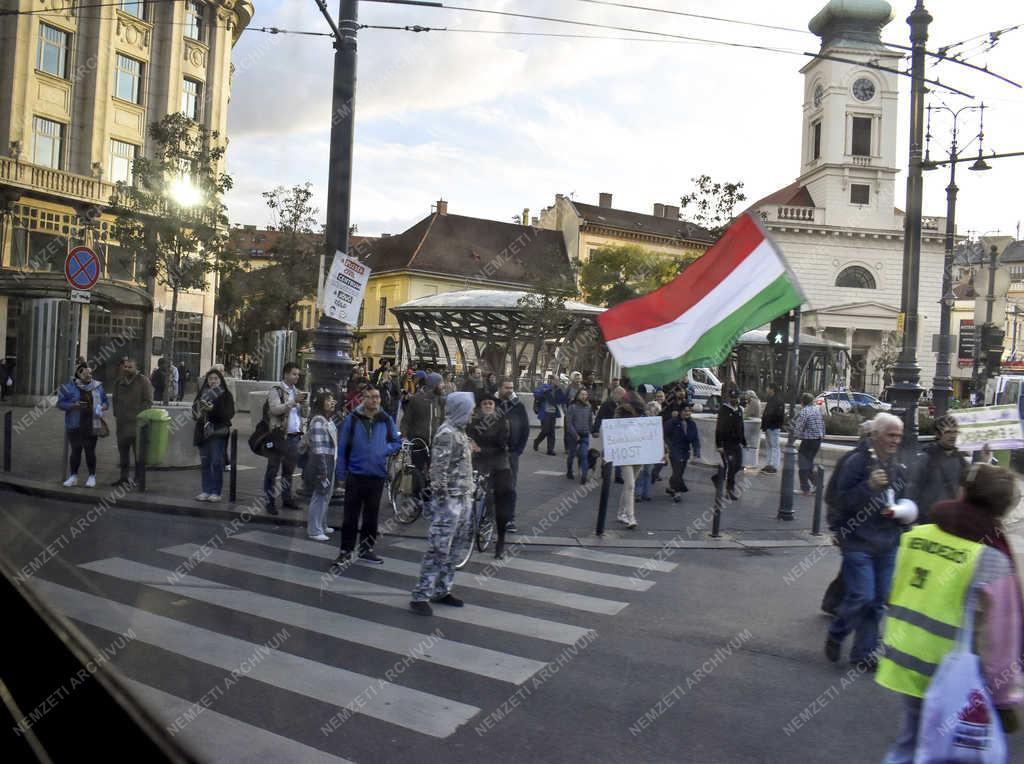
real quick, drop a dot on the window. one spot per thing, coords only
(816, 140)
(190, 90)
(52, 52)
(389, 346)
(193, 20)
(856, 277)
(122, 155)
(128, 79)
(136, 8)
(860, 145)
(382, 316)
(859, 193)
(47, 142)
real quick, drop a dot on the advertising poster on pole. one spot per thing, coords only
(344, 289)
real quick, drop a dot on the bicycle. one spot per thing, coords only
(406, 482)
(481, 519)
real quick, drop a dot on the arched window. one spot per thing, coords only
(389, 347)
(856, 277)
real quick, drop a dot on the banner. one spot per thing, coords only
(344, 289)
(995, 426)
(636, 440)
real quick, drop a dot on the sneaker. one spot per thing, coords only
(271, 509)
(570, 476)
(213, 497)
(328, 531)
(677, 498)
(511, 528)
(732, 496)
(202, 497)
(421, 608)
(71, 481)
(371, 556)
(90, 482)
(831, 649)
(631, 526)
(343, 561)
(319, 537)
(449, 599)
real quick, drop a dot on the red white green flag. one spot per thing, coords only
(739, 284)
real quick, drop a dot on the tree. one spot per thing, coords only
(266, 299)
(711, 204)
(171, 218)
(888, 354)
(615, 274)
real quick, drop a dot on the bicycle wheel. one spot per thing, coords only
(485, 527)
(406, 506)
(474, 519)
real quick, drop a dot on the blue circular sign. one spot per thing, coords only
(82, 268)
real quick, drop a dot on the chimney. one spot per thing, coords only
(659, 210)
(604, 199)
(442, 207)
(526, 216)
(671, 212)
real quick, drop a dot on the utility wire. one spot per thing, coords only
(993, 38)
(418, 28)
(277, 30)
(73, 10)
(693, 15)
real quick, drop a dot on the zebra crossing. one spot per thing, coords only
(529, 610)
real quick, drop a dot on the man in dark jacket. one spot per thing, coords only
(772, 419)
(937, 470)
(510, 407)
(368, 437)
(730, 440)
(870, 482)
(546, 398)
(133, 394)
(422, 415)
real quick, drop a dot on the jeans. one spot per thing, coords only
(867, 577)
(642, 489)
(547, 430)
(676, 482)
(78, 443)
(127, 447)
(284, 460)
(362, 498)
(805, 462)
(211, 453)
(772, 451)
(576, 448)
(316, 521)
(902, 751)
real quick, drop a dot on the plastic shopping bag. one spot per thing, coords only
(959, 722)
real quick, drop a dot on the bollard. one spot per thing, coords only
(64, 467)
(819, 482)
(141, 447)
(602, 504)
(8, 439)
(719, 481)
(233, 479)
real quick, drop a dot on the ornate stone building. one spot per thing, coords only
(80, 86)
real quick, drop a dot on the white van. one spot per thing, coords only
(707, 389)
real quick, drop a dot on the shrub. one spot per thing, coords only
(842, 424)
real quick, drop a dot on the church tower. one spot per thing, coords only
(848, 149)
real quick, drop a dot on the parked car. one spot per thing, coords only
(845, 401)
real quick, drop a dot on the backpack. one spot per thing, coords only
(537, 401)
(833, 512)
(262, 439)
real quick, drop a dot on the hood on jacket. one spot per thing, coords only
(458, 407)
(432, 381)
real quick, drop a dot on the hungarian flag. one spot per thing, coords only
(739, 284)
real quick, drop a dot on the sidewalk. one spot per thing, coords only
(551, 510)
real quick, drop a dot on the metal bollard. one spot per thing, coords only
(140, 457)
(716, 521)
(819, 482)
(64, 466)
(8, 439)
(602, 504)
(233, 480)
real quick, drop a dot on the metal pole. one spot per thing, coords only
(331, 363)
(8, 438)
(233, 479)
(65, 468)
(789, 452)
(716, 519)
(141, 454)
(906, 392)
(602, 504)
(819, 483)
(942, 384)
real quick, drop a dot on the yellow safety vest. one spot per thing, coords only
(934, 570)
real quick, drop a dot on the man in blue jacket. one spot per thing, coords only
(368, 437)
(545, 403)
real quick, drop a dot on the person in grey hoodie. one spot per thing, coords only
(579, 419)
(451, 484)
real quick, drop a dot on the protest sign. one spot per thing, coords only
(994, 426)
(343, 292)
(632, 441)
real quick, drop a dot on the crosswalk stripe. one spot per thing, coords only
(469, 581)
(554, 473)
(444, 652)
(221, 738)
(402, 706)
(580, 553)
(500, 620)
(552, 569)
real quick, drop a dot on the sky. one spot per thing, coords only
(495, 123)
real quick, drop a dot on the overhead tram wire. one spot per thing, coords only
(694, 15)
(75, 8)
(418, 28)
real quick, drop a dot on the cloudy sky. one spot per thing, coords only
(494, 123)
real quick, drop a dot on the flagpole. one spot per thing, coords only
(789, 452)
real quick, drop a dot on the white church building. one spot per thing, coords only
(838, 223)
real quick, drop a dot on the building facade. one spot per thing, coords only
(837, 224)
(80, 89)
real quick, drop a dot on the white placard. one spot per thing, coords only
(636, 440)
(81, 295)
(344, 289)
(996, 426)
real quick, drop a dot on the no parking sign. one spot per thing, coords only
(82, 268)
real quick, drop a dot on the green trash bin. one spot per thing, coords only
(158, 434)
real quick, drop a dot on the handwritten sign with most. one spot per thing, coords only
(632, 441)
(343, 292)
(995, 426)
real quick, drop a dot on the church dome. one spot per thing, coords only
(851, 22)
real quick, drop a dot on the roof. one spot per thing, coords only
(793, 195)
(251, 242)
(488, 299)
(637, 222)
(1014, 253)
(476, 249)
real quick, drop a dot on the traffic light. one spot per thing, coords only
(992, 348)
(778, 332)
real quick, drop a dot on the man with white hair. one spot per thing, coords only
(872, 517)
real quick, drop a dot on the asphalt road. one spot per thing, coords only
(707, 656)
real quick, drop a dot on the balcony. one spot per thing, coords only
(77, 188)
(793, 213)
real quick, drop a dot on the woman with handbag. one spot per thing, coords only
(320, 448)
(213, 409)
(83, 402)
